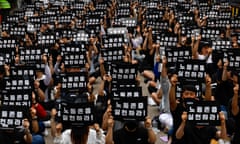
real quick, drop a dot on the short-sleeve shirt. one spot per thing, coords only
(122, 136)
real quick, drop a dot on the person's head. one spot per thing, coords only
(79, 135)
(189, 92)
(204, 48)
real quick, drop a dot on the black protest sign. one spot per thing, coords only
(167, 40)
(18, 30)
(126, 92)
(117, 31)
(123, 12)
(64, 33)
(81, 36)
(12, 117)
(210, 33)
(185, 17)
(113, 41)
(123, 74)
(233, 57)
(64, 18)
(134, 108)
(36, 21)
(109, 55)
(191, 70)
(45, 19)
(203, 113)
(38, 4)
(6, 25)
(17, 83)
(74, 81)
(23, 70)
(46, 39)
(220, 45)
(77, 115)
(101, 6)
(30, 54)
(74, 55)
(225, 14)
(20, 13)
(12, 18)
(235, 23)
(197, 85)
(175, 54)
(93, 24)
(8, 43)
(17, 98)
(6, 56)
(130, 23)
(221, 23)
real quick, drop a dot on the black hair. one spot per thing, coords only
(79, 134)
(189, 88)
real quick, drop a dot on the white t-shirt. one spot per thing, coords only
(93, 137)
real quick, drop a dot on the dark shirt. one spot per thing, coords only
(122, 136)
(12, 137)
(194, 135)
(177, 119)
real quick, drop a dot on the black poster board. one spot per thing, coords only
(134, 108)
(12, 117)
(175, 54)
(18, 30)
(123, 74)
(17, 83)
(74, 80)
(30, 54)
(203, 113)
(23, 70)
(127, 92)
(191, 70)
(233, 56)
(17, 98)
(77, 115)
(113, 41)
(74, 55)
(197, 85)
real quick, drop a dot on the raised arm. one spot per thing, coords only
(235, 107)
(208, 90)
(195, 47)
(180, 130)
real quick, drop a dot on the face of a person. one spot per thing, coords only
(189, 94)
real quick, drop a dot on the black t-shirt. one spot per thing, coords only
(177, 119)
(236, 137)
(224, 92)
(12, 137)
(194, 135)
(140, 136)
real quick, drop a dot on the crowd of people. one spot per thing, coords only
(142, 48)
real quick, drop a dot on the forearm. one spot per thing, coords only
(224, 74)
(235, 107)
(151, 136)
(208, 93)
(180, 130)
(109, 136)
(40, 93)
(172, 98)
(35, 127)
(223, 130)
(28, 136)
